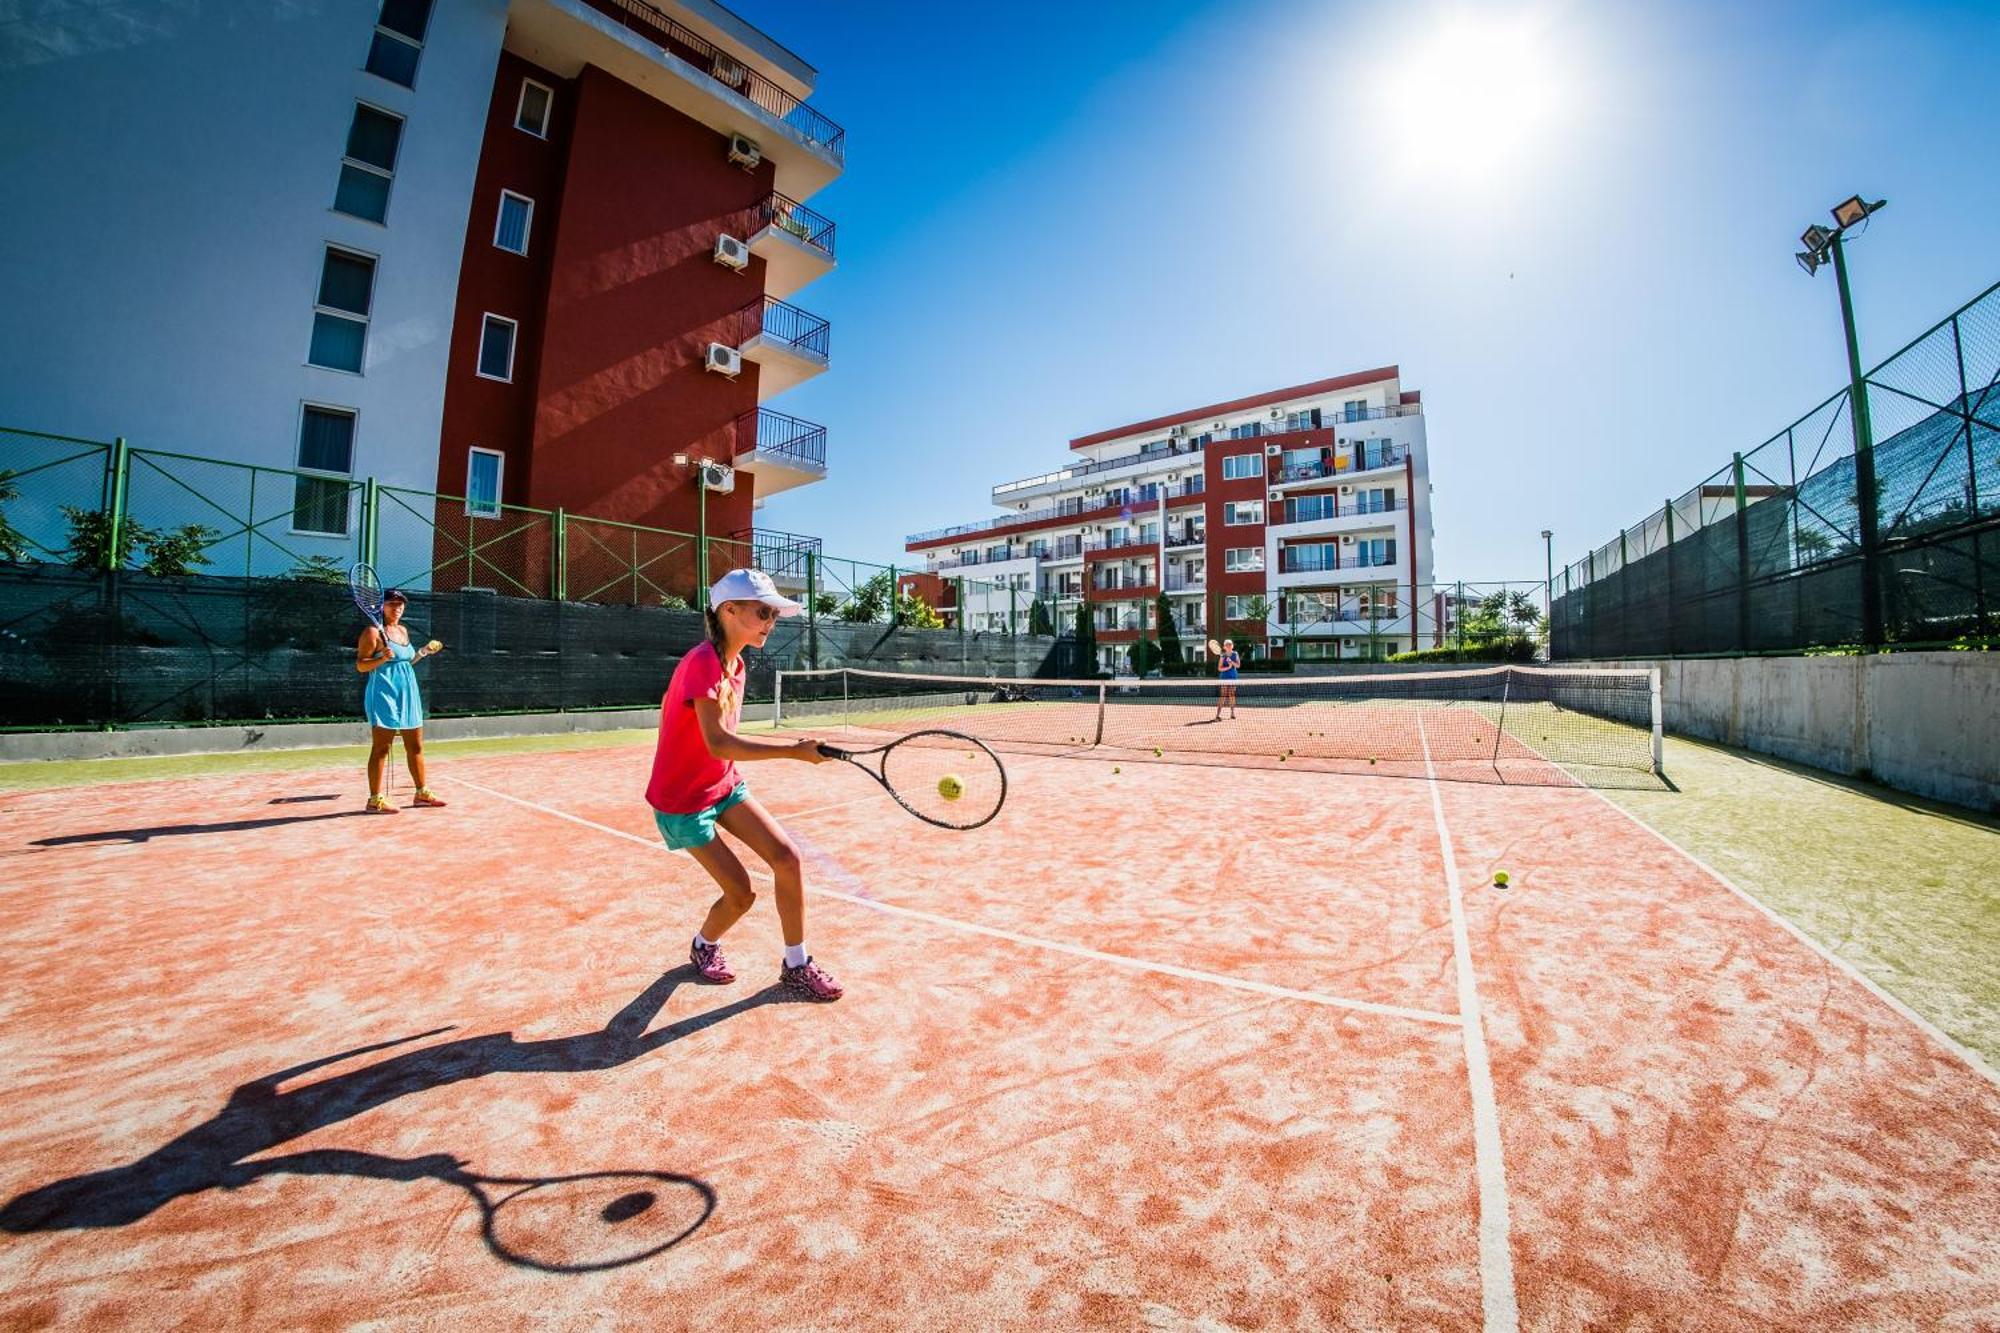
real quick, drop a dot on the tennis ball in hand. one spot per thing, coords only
(1499, 879)
(433, 646)
(950, 787)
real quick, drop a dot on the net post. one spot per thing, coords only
(895, 598)
(119, 464)
(1659, 730)
(778, 700)
(1098, 739)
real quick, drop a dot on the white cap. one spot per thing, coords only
(751, 585)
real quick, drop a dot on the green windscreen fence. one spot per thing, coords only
(1769, 553)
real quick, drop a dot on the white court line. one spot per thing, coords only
(1924, 1025)
(1496, 1257)
(1032, 941)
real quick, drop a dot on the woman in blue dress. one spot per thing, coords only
(1226, 667)
(392, 701)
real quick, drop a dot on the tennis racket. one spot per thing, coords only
(944, 778)
(1214, 648)
(367, 590)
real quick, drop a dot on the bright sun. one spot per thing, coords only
(1474, 96)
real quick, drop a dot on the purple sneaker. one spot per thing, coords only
(708, 960)
(810, 980)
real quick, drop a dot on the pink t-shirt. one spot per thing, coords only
(686, 777)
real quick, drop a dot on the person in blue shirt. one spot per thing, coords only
(1226, 667)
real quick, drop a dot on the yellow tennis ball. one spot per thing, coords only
(1499, 879)
(432, 646)
(950, 787)
(1156, 752)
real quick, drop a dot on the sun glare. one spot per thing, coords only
(1474, 96)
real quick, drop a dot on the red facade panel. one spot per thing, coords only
(634, 298)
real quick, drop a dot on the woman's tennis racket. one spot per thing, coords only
(944, 778)
(367, 590)
(1214, 648)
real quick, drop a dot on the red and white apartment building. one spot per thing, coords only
(1311, 503)
(549, 253)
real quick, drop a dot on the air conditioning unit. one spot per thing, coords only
(1175, 432)
(724, 360)
(731, 253)
(1272, 451)
(727, 70)
(1347, 541)
(744, 152)
(1277, 414)
(1277, 495)
(1216, 426)
(1347, 490)
(718, 477)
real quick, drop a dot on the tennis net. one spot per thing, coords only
(1525, 724)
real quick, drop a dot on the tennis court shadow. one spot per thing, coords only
(263, 1114)
(182, 830)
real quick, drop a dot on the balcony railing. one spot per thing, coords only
(787, 437)
(1070, 508)
(787, 324)
(1311, 561)
(1174, 449)
(1177, 540)
(778, 553)
(1133, 543)
(793, 217)
(1182, 583)
(1310, 471)
(684, 44)
(1348, 510)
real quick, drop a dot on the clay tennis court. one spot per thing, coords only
(1165, 1045)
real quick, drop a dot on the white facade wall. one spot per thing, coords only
(173, 169)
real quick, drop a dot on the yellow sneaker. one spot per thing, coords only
(379, 805)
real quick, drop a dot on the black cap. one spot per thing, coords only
(394, 595)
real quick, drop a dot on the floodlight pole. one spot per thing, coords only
(1549, 592)
(1864, 461)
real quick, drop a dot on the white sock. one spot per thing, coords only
(701, 943)
(795, 955)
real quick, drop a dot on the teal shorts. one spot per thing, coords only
(697, 829)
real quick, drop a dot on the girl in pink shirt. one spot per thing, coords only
(695, 787)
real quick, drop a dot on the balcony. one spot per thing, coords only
(788, 343)
(1074, 507)
(1180, 540)
(782, 555)
(1183, 583)
(796, 244)
(1346, 516)
(783, 451)
(642, 45)
(1187, 452)
(1134, 542)
(1302, 570)
(1376, 460)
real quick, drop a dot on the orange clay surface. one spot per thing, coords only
(1167, 1047)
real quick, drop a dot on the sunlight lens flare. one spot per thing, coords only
(1475, 96)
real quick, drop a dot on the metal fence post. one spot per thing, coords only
(1742, 557)
(562, 554)
(1865, 494)
(1971, 483)
(1457, 621)
(812, 610)
(371, 520)
(960, 594)
(119, 462)
(895, 598)
(1673, 606)
(1013, 608)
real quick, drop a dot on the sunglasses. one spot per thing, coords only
(765, 614)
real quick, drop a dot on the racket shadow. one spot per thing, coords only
(261, 1115)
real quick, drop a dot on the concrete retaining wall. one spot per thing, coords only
(1927, 723)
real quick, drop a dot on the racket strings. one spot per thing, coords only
(947, 780)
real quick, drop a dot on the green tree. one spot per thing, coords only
(868, 603)
(825, 604)
(317, 569)
(1086, 639)
(915, 612)
(1248, 628)
(1039, 620)
(1173, 662)
(177, 553)
(13, 546)
(89, 544)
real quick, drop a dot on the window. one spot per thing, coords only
(482, 482)
(1355, 409)
(1149, 533)
(372, 140)
(496, 348)
(1309, 608)
(1241, 467)
(1248, 431)
(532, 113)
(340, 315)
(399, 40)
(1236, 607)
(1242, 559)
(510, 229)
(1239, 513)
(326, 444)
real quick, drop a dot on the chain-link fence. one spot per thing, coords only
(1771, 552)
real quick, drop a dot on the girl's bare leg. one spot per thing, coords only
(727, 870)
(761, 833)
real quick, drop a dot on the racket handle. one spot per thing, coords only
(834, 751)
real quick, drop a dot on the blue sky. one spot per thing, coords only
(1060, 218)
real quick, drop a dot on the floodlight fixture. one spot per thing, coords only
(1808, 261)
(1850, 211)
(680, 460)
(1815, 238)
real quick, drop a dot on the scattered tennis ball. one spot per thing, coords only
(1115, 769)
(1499, 879)
(950, 787)
(1156, 752)
(1371, 758)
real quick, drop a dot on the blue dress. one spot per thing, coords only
(391, 699)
